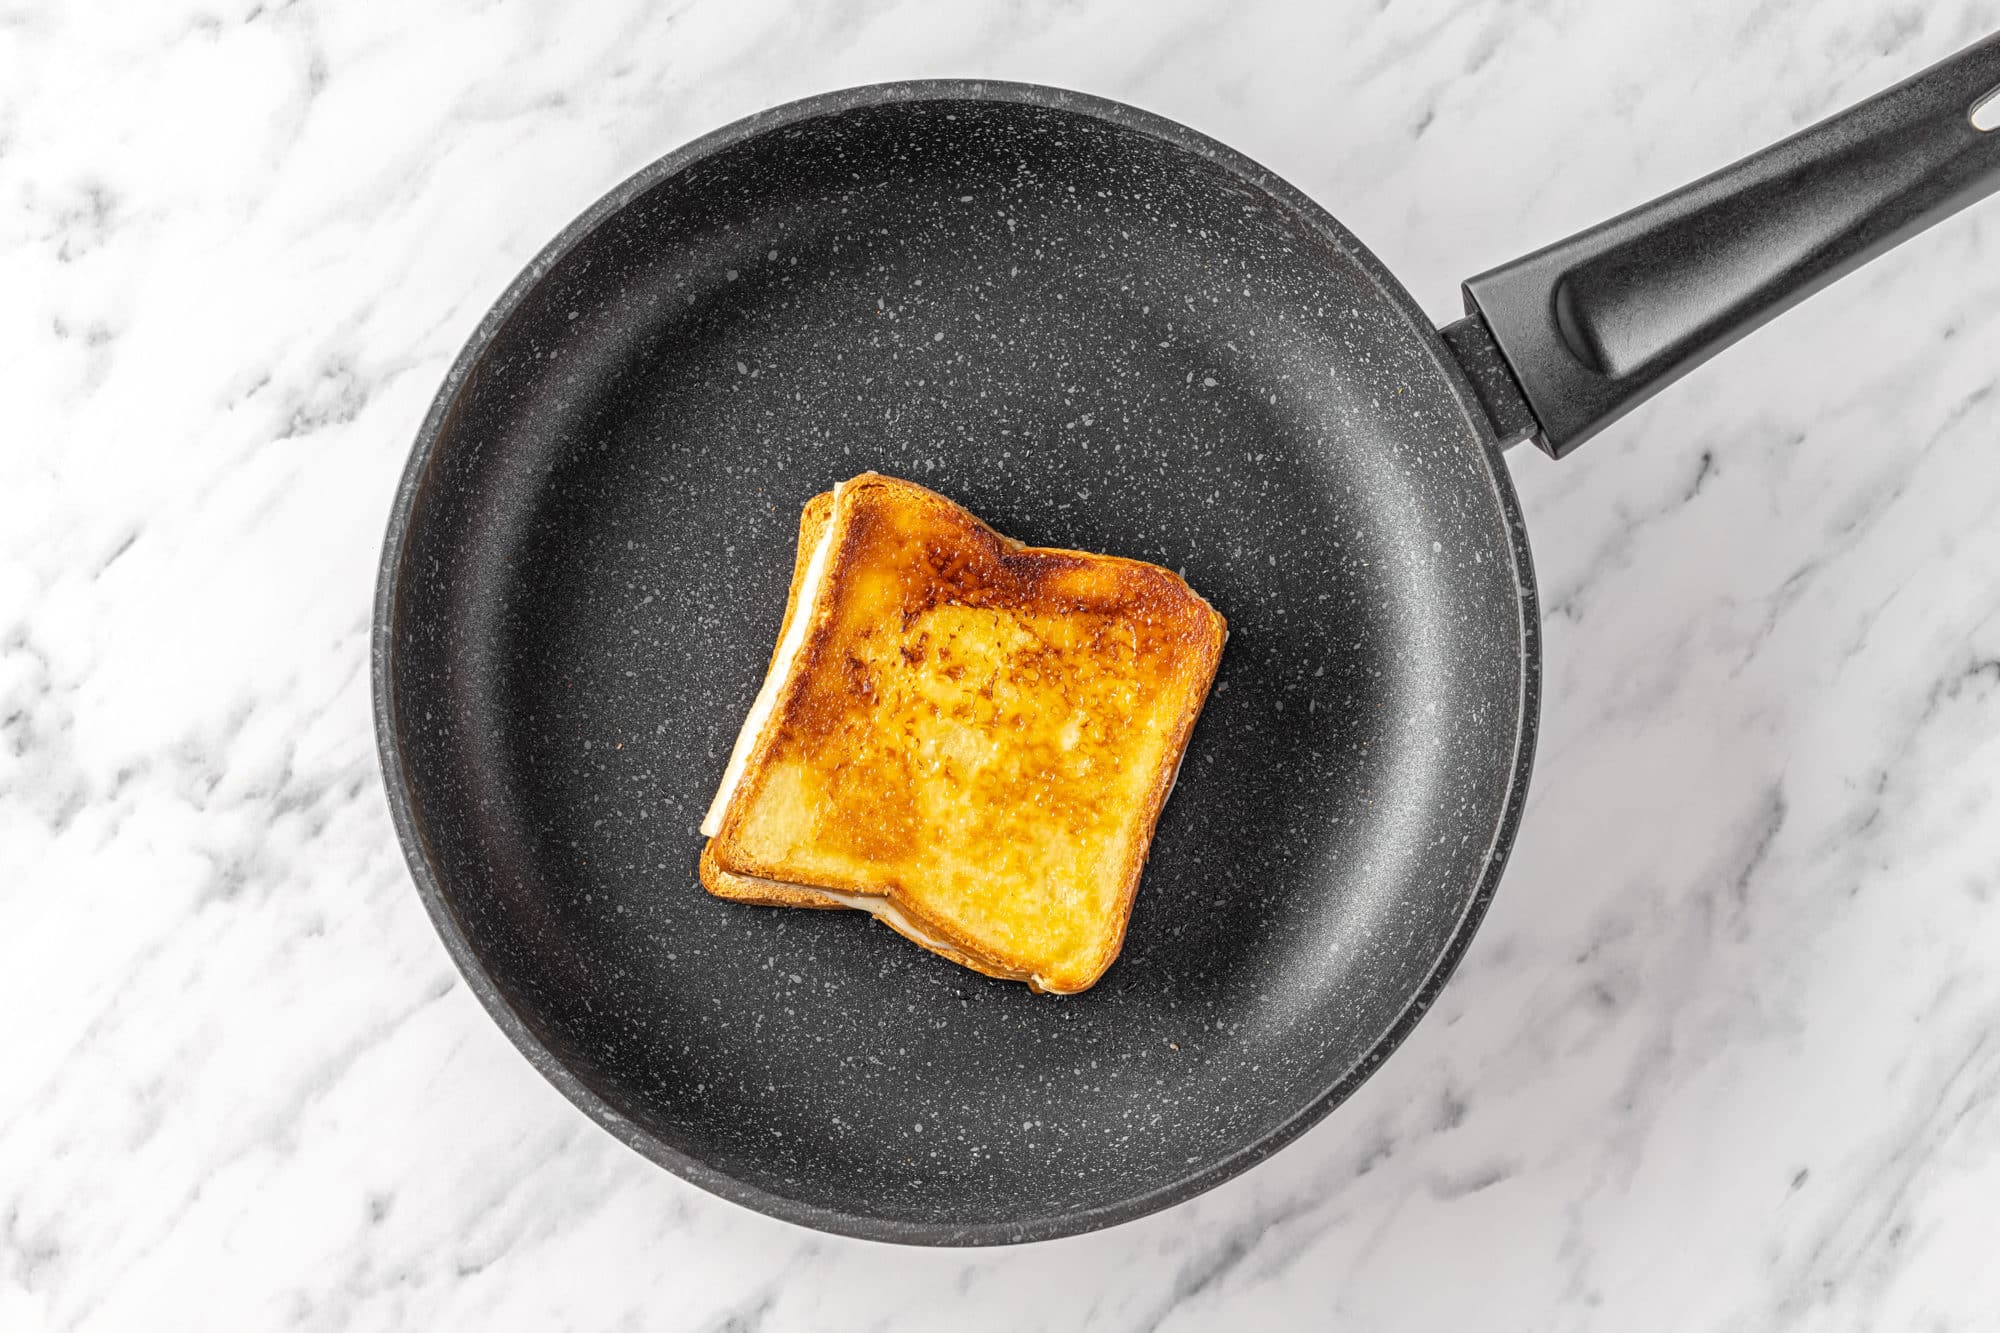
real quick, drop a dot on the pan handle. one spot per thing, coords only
(1593, 326)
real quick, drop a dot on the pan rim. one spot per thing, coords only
(402, 805)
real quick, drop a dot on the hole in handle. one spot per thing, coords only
(1986, 112)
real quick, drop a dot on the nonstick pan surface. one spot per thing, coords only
(1097, 330)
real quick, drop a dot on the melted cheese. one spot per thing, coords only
(890, 914)
(893, 917)
(774, 680)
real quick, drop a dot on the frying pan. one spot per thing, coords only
(1096, 329)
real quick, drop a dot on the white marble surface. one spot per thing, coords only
(1725, 1054)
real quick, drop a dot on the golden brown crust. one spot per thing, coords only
(1097, 657)
(761, 892)
(744, 888)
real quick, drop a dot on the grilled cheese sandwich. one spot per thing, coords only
(968, 738)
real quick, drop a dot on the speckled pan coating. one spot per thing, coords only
(1095, 329)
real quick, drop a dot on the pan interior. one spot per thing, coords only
(1094, 338)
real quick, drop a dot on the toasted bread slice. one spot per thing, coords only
(969, 738)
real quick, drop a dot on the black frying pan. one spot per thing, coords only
(1100, 330)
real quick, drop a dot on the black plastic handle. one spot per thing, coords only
(1593, 326)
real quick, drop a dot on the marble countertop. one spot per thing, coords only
(1726, 1054)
